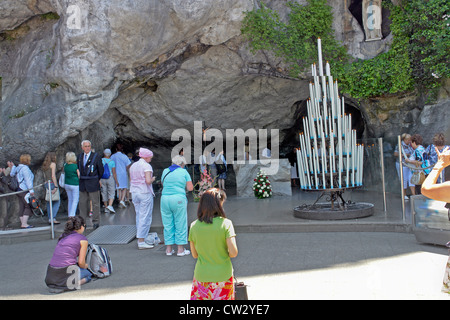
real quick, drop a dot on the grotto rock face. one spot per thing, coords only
(137, 70)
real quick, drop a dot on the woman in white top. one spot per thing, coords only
(141, 179)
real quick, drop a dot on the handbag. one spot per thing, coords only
(240, 290)
(62, 180)
(418, 177)
(55, 196)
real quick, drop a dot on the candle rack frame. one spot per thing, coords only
(329, 158)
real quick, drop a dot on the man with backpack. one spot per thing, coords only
(108, 181)
(91, 170)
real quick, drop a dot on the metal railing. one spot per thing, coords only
(50, 202)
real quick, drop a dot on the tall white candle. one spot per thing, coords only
(347, 138)
(324, 152)
(340, 168)
(327, 69)
(323, 167)
(319, 49)
(359, 165)
(316, 168)
(316, 88)
(300, 167)
(332, 100)
(353, 157)
(304, 157)
(362, 162)
(333, 163)
(331, 168)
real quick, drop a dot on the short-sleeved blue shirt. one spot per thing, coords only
(175, 181)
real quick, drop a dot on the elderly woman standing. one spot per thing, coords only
(141, 179)
(49, 169)
(25, 178)
(71, 182)
(407, 151)
(174, 205)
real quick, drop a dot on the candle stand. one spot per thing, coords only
(330, 160)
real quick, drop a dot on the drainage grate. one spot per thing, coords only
(112, 234)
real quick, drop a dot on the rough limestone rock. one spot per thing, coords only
(280, 181)
(137, 70)
(148, 66)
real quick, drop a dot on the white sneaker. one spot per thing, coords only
(111, 209)
(144, 245)
(122, 204)
(184, 253)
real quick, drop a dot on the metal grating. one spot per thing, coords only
(112, 234)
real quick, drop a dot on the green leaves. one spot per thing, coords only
(418, 58)
(295, 41)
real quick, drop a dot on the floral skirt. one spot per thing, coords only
(446, 281)
(212, 290)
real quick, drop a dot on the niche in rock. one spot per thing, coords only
(373, 18)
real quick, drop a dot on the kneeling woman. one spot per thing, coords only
(67, 269)
(213, 243)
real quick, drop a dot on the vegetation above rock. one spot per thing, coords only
(417, 60)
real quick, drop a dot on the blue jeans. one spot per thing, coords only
(55, 208)
(85, 274)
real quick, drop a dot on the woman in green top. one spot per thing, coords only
(71, 181)
(213, 243)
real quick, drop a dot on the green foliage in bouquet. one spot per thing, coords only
(262, 187)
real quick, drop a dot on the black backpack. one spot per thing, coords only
(14, 183)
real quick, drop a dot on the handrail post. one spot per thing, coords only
(401, 176)
(51, 209)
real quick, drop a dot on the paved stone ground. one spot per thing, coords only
(276, 266)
